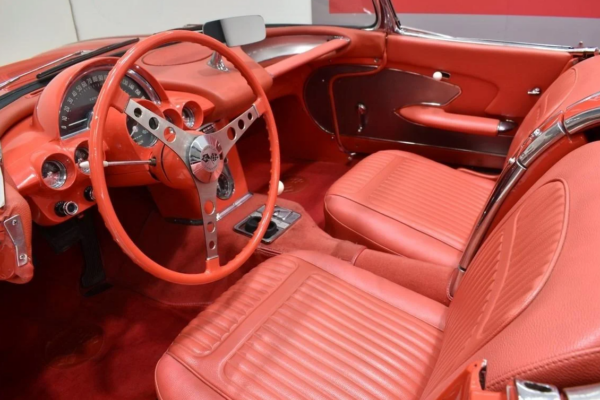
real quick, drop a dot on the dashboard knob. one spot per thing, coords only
(88, 193)
(66, 208)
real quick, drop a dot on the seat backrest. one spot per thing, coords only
(573, 85)
(530, 302)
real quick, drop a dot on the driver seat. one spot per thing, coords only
(306, 325)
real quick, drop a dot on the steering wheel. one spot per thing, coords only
(202, 155)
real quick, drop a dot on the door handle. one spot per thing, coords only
(361, 110)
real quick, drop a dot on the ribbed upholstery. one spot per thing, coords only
(407, 204)
(355, 180)
(218, 320)
(439, 200)
(319, 337)
(357, 345)
(505, 277)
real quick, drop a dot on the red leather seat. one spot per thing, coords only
(406, 204)
(311, 326)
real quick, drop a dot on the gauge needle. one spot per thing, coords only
(78, 122)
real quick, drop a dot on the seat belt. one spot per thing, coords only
(470, 385)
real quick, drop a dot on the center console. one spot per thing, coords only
(282, 220)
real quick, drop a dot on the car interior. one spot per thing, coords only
(236, 210)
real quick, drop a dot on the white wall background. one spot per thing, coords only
(30, 27)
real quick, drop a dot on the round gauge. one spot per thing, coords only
(82, 154)
(225, 185)
(189, 118)
(54, 174)
(140, 135)
(80, 98)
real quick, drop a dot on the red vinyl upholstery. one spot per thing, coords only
(406, 204)
(311, 326)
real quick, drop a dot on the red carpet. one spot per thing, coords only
(57, 344)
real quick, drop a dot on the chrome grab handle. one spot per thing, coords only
(362, 116)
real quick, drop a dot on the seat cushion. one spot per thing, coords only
(406, 204)
(306, 326)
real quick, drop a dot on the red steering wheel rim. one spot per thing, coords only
(111, 95)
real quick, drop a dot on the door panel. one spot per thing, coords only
(510, 71)
(483, 85)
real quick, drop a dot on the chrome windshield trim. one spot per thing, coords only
(51, 63)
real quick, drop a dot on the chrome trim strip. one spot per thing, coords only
(509, 177)
(281, 46)
(587, 392)
(412, 32)
(535, 145)
(584, 120)
(233, 206)
(541, 141)
(527, 390)
(14, 228)
(51, 63)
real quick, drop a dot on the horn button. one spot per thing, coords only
(206, 159)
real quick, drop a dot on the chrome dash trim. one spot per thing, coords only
(234, 205)
(282, 46)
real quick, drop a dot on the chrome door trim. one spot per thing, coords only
(390, 23)
(413, 32)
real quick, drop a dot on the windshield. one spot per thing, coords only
(52, 24)
(98, 19)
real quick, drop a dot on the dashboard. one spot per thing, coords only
(44, 152)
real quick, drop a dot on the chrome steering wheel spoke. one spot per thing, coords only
(207, 193)
(173, 137)
(230, 134)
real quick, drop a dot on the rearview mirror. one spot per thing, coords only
(237, 31)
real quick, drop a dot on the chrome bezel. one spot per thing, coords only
(191, 117)
(62, 171)
(131, 74)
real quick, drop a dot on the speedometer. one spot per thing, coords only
(81, 96)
